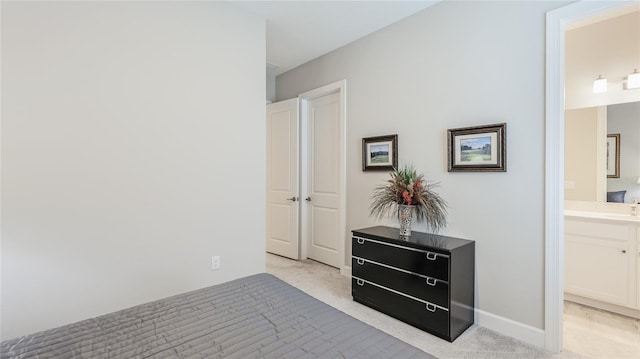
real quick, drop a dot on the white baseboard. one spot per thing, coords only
(630, 312)
(345, 271)
(510, 328)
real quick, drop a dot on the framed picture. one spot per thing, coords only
(478, 149)
(380, 153)
(613, 156)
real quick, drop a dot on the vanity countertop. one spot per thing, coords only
(603, 215)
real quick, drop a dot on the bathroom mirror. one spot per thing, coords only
(588, 154)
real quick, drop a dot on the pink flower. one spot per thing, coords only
(407, 198)
(417, 187)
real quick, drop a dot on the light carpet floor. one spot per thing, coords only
(326, 284)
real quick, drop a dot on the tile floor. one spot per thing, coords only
(588, 333)
(596, 333)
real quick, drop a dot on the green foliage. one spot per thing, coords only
(409, 188)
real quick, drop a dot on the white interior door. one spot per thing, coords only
(282, 179)
(325, 163)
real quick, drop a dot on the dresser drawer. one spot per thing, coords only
(431, 264)
(417, 313)
(426, 288)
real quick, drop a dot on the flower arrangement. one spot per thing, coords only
(406, 187)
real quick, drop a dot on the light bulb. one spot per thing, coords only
(633, 80)
(600, 85)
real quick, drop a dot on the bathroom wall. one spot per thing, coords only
(581, 152)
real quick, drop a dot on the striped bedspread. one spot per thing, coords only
(259, 316)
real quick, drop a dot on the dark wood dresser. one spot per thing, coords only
(426, 280)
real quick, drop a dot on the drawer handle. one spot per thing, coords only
(360, 261)
(360, 240)
(431, 256)
(431, 307)
(431, 281)
(360, 282)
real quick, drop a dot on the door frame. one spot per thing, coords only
(335, 87)
(554, 159)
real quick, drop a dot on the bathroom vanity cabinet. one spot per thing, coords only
(602, 261)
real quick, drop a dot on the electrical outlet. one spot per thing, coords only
(215, 262)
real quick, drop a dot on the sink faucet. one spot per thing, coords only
(634, 207)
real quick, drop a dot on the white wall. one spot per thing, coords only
(456, 64)
(132, 151)
(625, 120)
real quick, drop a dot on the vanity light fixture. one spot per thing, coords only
(638, 180)
(633, 80)
(600, 85)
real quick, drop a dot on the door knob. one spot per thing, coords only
(308, 199)
(292, 199)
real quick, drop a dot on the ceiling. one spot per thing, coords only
(300, 31)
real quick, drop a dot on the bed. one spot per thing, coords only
(259, 316)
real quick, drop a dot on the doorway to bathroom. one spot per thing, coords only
(559, 23)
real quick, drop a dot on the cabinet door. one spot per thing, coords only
(597, 268)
